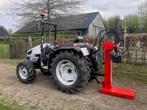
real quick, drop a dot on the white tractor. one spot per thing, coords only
(71, 66)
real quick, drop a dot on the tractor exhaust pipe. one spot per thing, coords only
(117, 29)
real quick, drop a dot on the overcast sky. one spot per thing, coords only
(107, 8)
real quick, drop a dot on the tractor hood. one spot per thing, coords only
(37, 50)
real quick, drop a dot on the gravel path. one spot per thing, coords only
(42, 95)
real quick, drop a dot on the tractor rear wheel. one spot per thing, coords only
(70, 72)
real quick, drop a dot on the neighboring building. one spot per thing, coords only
(3, 32)
(88, 24)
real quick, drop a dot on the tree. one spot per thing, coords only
(144, 27)
(110, 23)
(28, 9)
(132, 23)
(131, 20)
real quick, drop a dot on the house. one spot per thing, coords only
(3, 32)
(88, 24)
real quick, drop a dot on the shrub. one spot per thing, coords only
(4, 51)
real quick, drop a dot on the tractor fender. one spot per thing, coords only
(73, 49)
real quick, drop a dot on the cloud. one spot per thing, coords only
(8, 21)
(112, 7)
(2, 2)
(105, 7)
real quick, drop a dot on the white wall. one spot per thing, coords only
(93, 27)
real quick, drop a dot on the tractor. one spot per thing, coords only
(71, 66)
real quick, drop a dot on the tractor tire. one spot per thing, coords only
(25, 72)
(70, 72)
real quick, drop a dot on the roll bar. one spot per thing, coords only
(43, 23)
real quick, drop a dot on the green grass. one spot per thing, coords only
(4, 106)
(4, 51)
(137, 73)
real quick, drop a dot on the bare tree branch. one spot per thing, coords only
(28, 9)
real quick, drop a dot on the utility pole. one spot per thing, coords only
(125, 32)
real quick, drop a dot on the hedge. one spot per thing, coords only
(4, 51)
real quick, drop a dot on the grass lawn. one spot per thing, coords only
(137, 73)
(4, 106)
(4, 51)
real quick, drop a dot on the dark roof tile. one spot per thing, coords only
(3, 32)
(73, 22)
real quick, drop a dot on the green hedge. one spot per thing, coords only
(4, 51)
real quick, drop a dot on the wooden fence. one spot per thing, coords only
(136, 46)
(20, 45)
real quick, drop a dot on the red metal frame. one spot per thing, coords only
(107, 87)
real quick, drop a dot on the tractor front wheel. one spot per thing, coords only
(25, 72)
